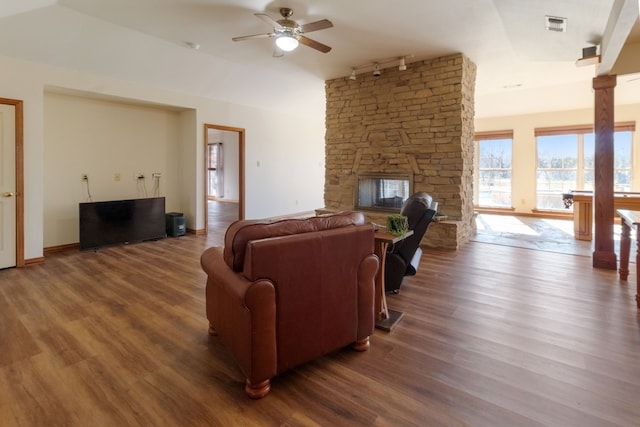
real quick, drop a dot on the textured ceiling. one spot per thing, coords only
(522, 67)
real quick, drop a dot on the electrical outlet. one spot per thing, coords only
(116, 176)
(84, 177)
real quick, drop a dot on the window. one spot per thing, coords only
(493, 169)
(566, 162)
(215, 170)
(622, 142)
(557, 169)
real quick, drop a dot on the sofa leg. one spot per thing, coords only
(257, 391)
(361, 345)
(212, 331)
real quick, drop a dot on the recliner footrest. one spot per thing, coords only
(412, 267)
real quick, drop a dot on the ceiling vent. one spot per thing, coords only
(554, 23)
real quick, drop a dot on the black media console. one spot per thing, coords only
(121, 221)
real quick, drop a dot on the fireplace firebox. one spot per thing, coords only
(384, 192)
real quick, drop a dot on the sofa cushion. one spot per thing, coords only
(241, 232)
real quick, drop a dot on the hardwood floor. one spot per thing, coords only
(219, 216)
(492, 336)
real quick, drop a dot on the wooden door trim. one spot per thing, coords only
(19, 193)
(241, 204)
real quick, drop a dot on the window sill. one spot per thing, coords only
(494, 210)
(553, 213)
(538, 213)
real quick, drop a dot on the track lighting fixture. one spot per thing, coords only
(402, 65)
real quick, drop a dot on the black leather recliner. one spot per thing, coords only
(403, 258)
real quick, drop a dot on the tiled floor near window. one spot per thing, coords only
(551, 235)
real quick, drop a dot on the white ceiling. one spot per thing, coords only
(522, 67)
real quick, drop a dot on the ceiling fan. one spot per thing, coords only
(289, 34)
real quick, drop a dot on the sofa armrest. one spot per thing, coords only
(242, 313)
(212, 262)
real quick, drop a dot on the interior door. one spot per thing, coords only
(233, 139)
(7, 186)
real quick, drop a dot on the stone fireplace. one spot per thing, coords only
(417, 122)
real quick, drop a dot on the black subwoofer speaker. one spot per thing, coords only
(176, 224)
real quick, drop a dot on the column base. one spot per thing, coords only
(602, 259)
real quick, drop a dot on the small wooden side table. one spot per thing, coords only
(385, 319)
(630, 220)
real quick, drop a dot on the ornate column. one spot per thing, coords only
(604, 255)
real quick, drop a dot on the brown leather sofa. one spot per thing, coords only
(285, 292)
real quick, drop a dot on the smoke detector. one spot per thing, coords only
(555, 23)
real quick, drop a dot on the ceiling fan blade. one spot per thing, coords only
(314, 44)
(315, 26)
(254, 36)
(269, 20)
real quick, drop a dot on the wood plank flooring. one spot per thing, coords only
(492, 336)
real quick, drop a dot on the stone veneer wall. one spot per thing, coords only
(417, 121)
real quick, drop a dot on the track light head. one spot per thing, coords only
(376, 72)
(353, 75)
(402, 65)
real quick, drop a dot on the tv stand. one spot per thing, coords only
(121, 222)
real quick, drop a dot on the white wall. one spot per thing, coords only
(111, 142)
(290, 149)
(524, 145)
(287, 162)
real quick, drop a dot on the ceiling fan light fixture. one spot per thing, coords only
(288, 34)
(287, 42)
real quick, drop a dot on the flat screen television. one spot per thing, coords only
(121, 221)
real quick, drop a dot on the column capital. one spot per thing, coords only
(604, 82)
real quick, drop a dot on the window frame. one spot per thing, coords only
(580, 131)
(488, 136)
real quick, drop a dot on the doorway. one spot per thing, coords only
(224, 176)
(11, 184)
